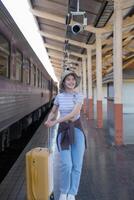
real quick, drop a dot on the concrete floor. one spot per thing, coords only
(108, 171)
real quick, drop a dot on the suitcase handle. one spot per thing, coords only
(49, 141)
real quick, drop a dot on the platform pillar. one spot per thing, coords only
(117, 67)
(99, 80)
(89, 79)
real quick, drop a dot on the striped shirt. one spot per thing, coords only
(66, 102)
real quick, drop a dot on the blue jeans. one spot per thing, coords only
(71, 164)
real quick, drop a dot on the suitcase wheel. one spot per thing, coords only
(52, 196)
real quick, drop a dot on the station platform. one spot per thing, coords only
(108, 171)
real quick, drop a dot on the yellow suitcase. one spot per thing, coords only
(39, 174)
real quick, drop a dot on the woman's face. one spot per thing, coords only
(69, 82)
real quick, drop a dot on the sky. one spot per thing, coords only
(20, 11)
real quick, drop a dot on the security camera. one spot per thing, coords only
(77, 28)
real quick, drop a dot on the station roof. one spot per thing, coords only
(63, 46)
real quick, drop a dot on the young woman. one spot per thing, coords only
(70, 137)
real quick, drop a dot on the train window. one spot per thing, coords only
(34, 75)
(41, 79)
(19, 60)
(49, 84)
(43, 82)
(26, 71)
(4, 56)
(38, 77)
(29, 72)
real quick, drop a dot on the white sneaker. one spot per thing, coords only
(70, 197)
(63, 197)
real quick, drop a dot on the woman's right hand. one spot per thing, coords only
(50, 123)
(47, 123)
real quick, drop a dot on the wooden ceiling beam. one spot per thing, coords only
(128, 21)
(127, 4)
(49, 46)
(61, 60)
(57, 69)
(92, 29)
(129, 49)
(108, 28)
(104, 42)
(46, 15)
(110, 67)
(128, 63)
(110, 40)
(62, 39)
(53, 51)
(53, 36)
(127, 36)
(55, 54)
(59, 65)
(62, 50)
(56, 66)
(52, 5)
(55, 62)
(56, 57)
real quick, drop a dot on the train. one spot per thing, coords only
(26, 88)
